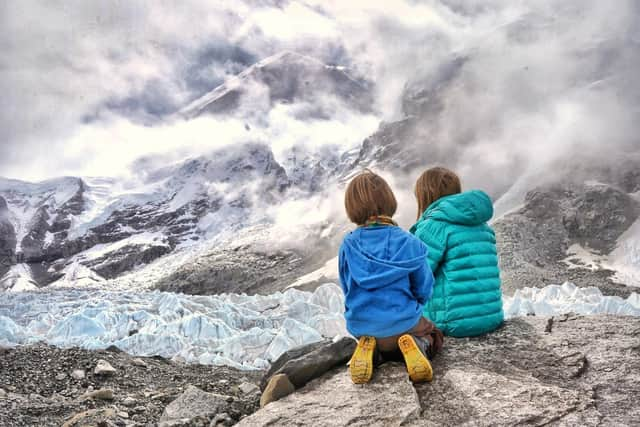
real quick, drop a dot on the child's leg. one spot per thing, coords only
(361, 363)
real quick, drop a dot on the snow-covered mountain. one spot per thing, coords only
(107, 228)
(112, 226)
(286, 77)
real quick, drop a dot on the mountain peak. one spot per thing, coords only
(288, 77)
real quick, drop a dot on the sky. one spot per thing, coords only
(90, 87)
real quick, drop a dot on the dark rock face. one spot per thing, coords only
(7, 238)
(533, 240)
(126, 258)
(580, 371)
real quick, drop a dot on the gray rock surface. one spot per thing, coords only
(568, 371)
(193, 403)
(533, 240)
(334, 400)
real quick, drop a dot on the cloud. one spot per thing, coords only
(87, 85)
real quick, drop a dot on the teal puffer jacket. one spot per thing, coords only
(467, 299)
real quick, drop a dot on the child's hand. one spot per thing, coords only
(424, 328)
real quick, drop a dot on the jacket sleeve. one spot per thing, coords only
(434, 236)
(422, 283)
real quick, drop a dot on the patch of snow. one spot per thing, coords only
(625, 258)
(18, 279)
(77, 275)
(237, 330)
(579, 257)
(144, 239)
(48, 238)
(567, 298)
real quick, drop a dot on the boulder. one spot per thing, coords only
(92, 417)
(302, 364)
(334, 400)
(101, 394)
(191, 404)
(573, 370)
(104, 368)
(278, 387)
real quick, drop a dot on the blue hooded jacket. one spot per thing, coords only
(386, 280)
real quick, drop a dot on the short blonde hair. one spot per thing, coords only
(368, 195)
(435, 183)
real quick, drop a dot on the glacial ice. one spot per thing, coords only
(247, 332)
(558, 299)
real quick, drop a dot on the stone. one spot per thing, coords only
(248, 388)
(101, 394)
(302, 364)
(222, 419)
(77, 374)
(194, 403)
(129, 401)
(104, 368)
(278, 387)
(3, 394)
(586, 372)
(123, 414)
(334, 400)
(139, 362)
(92, 417)
(61, 376)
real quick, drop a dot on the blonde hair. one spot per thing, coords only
(368, 195)
(433, 184)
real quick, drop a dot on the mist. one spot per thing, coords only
(498, 91)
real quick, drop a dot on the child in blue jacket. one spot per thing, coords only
(386, 281)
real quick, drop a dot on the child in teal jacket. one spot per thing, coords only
(467, 299)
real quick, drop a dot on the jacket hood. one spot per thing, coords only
(381, 255)
(469, 208)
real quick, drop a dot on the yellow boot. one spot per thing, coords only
(418, 365)
(361, 363)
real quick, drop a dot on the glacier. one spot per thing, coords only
(238, 330)
(246, 332)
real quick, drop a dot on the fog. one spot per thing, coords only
(499, 91)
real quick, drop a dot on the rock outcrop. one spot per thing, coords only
(563, 371)
(7, 238)
(533, 240)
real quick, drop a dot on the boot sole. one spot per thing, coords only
(361, 364)
(418, 365)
